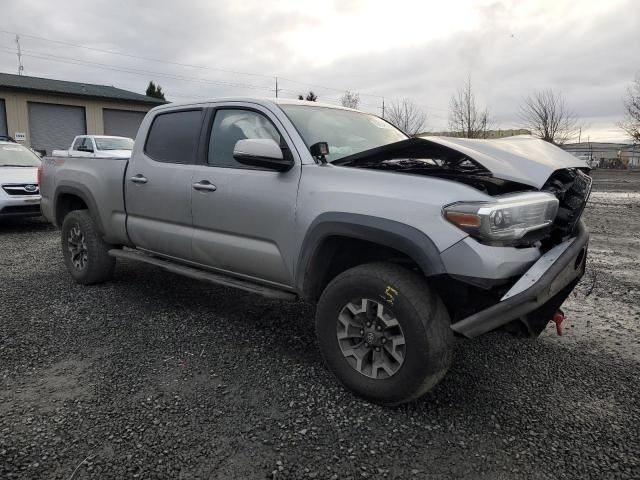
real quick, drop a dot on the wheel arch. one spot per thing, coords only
(332, 232)
(71, 197)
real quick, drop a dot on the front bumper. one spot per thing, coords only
(546, 284)
(19, 205)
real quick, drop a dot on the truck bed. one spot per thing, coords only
(96, 181)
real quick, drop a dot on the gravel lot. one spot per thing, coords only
(157, 376)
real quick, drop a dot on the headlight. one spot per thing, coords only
(507, 217)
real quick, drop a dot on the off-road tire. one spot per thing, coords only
(421, 314)
(99, 266)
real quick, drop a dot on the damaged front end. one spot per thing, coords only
(525, 304)
(534, 215)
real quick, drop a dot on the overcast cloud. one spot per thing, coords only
(422, 50)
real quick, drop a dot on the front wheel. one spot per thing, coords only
(85, 254)
(384, 333)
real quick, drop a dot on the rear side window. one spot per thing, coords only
(77, 143)
(88, 143)
(173, 137)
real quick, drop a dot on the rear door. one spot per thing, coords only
(158, 184)
(243, 223)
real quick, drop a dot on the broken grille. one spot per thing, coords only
(572, 188)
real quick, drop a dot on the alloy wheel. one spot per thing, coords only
(371, 338)
(77, 246)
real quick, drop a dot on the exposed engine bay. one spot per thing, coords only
(419, 156)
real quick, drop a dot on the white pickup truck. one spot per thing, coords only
(98, 146)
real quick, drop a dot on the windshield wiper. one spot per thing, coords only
(15, 165)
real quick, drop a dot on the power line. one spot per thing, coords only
(341, 90)
(73, 61)
(157, 60)
(182, 77)
(146, 73)
(139, 57)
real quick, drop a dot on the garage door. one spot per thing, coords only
(54, 126)
(3, 118)
(122, 123)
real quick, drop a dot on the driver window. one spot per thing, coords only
(232, 125)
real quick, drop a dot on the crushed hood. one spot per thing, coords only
(522, 159)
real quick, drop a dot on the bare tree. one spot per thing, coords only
(406, 115)
(466, 118)
(350, 99)
(547, 115)
(631, 123)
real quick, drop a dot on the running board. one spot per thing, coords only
(204, 275)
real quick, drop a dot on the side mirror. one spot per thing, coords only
(84, 148)
(262, 152)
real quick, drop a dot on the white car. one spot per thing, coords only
(589, 160)
(19, 189)
(103, 146)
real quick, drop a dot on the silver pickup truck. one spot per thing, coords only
(401, 242)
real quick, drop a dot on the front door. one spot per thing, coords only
(158, 184)
(243, 222)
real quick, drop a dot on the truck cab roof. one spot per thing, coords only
(265, 101)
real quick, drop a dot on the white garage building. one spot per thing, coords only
(46, 114)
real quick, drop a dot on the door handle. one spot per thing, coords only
(139, 179)
(204, 186)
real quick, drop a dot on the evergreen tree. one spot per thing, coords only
(311, 97)
(155, 91)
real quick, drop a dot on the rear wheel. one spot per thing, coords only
(384, 333)
(85, 253)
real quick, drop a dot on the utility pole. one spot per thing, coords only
(20, 67)
(382, 107)
(277, 89)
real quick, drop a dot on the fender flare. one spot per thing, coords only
(389, 233)
(82, 192)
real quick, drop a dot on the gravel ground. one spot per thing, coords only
(157, 376)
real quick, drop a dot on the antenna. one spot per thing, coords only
(20, 67)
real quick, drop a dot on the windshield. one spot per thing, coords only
(14, 155)
(114, 143)
(347, 132)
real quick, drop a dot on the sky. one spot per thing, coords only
(419, 50)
